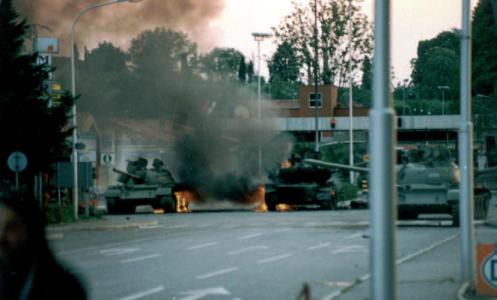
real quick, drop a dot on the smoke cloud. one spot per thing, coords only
(122, 21)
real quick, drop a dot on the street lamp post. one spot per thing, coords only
(73, 90)
(443, 88)
(259, 37)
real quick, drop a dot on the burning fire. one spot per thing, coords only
(183, 199)
(257, 197)
(284, 207)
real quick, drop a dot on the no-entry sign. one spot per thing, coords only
(487, 270)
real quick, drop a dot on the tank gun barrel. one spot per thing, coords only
(335, 165)
(121, 172)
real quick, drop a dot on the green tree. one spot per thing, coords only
(484, 54)
(284, 72)
(222, 63)
(333, 39)
(242, 70)
(159, 61)
(367, 74)
(104, 77)
(28, 121)
(437, 65)
(250, 72)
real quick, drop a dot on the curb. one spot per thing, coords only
(99, 227)
(462, 291)
(491, 223)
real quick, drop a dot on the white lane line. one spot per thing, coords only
(350, 249)
(342, 291)
(118, 251)
(247, 249)
(274, 258)
(144, 293)
(150, 226)
(250, 236)
(282, 230)
(217, 273)
(319, 246)
(139, 258)
(353, 236)
(194, 247)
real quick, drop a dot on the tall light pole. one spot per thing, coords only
(351, 104)
(443, 88)
(73, 90)
(259, 37)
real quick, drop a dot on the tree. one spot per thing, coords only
(159, 59)
(437, 65)
(242, 70)
(104, 78)
(221, 63)
(250, 72)
(484, 70)
(331, 40)
(367, 74)
(284, 72)
(28, 122)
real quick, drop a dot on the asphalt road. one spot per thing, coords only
(236, 255)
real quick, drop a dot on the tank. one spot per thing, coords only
(300, 184)
(141, 186)
(428, 182)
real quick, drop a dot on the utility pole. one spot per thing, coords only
(382, 161)
(316, 66)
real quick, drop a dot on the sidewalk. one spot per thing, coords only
(105, 223)
(432, 273)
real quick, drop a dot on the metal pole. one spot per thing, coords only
(382, 153)
(466, 153)
(259, 113)
(351, 105)
(443, 101)
(73, 89)
(316, 66)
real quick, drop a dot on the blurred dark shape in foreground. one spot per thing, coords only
(28, 268)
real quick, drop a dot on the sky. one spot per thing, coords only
(230, 23)
(412, 21)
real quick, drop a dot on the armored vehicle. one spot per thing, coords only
(142, 186)
(299, 184)
(428, 182)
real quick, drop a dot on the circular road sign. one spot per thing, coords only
(489, 269)
(17, 161)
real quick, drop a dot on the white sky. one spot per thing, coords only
(412, 21)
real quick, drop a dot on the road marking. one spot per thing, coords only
(118, 251)
(282, 230)
(319, 246)
(342, 291)
(250, 236)
(178, 226)
(150, 226)
(274, 258)
(353, 236)
(247, 249)
(144, 293)
(199, 294)
(217, 273)
(351, 249)
(202, 246)
(135, 259)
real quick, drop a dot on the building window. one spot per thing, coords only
(315, 100)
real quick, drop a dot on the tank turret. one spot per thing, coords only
(142, 186)
(298, 183)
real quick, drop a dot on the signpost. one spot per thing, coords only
(17, 162)
(487, 270)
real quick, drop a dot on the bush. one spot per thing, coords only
(347, 192)
(56, 215)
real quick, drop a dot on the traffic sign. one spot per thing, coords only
(107, 158)
(17, 161)
(487, 270)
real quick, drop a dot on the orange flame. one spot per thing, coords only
(183, 199)
(258, 197)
